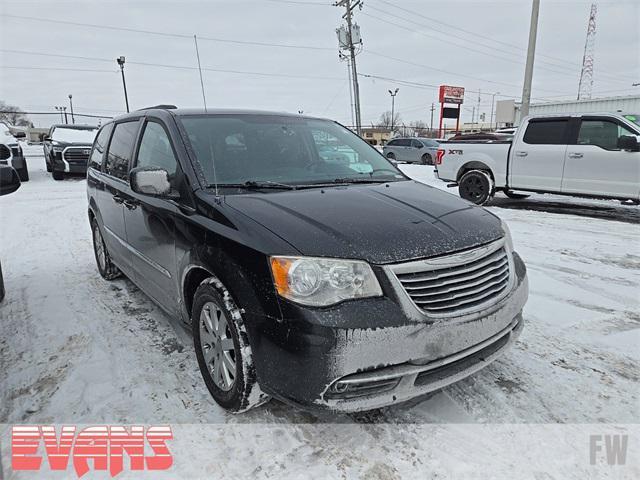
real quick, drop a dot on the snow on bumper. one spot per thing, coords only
(416, 359)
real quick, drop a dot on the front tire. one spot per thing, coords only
(476, 186)
(58, 175)
(391, 156)
(222, 349)
(107, 269)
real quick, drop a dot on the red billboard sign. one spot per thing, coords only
(449, 94)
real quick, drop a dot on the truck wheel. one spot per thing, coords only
(58, 175)
(427, 159)
(107, 269)
(516, 196)
(476, 186)
(222, 349)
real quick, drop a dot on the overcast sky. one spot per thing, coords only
(476, 44)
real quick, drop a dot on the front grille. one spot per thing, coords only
(458, 283)
(77, 155)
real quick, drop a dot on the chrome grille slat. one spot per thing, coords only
(461, 294)
(471, 299)
(73, 154)
(447, 272)
(457, 279)
(462, 286)
(459, 283)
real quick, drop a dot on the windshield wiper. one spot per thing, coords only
(256, 184)
(360, 180)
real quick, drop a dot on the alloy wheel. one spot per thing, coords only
(99, 246)
(217, 345)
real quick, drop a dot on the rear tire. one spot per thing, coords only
(516, 196)
(222, 349)
(427, 159)
(476, 186)
(107, 269)
(58, 175)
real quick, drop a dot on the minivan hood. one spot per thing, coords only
(380, 223)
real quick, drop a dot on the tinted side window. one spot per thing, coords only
(405, 142)
(392, 143)
(99, 146)
(547, 132)
(155, 149)
(601, 133)
(120, 148)
(416, 144)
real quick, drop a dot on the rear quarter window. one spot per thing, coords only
(547, 132)
(99, 146)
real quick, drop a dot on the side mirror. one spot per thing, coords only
(46, 139)
(627, 142)
(9, 180)
(152, 181)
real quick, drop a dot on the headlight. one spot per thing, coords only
(321, 281)
(508, 241)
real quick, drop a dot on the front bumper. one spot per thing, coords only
(369, 354)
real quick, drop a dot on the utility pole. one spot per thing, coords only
(120, 61)
(586, 74)
(393, 106)
(479, 100)
(350, 5)
(433, 107)
(493, 99)
(531, 52)
(73, 119)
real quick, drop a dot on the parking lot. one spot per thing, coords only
(77, 349)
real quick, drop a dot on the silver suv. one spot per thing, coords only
(412, 150)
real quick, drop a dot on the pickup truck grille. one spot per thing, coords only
(457, 284)
(77, 155)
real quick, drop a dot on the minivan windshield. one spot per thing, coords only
(284, 149)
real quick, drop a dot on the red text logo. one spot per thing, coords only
(103, 446)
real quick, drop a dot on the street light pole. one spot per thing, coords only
(393, 106)
(59, 109)
(73, 119)
(531, 52)
(66, 120)
(120, 61)
(493, 98)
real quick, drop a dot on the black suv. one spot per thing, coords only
(67, 148)
(324, 280)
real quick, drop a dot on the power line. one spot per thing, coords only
(466, 47)
(478, 35)
(58, 68)
(177, 67)
(167, 34)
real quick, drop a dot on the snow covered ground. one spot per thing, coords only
(76, 349)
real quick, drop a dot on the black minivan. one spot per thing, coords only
(309, 267)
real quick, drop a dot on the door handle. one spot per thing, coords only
(521, 154)
(130, 204)
(575, 155)
(118, 199)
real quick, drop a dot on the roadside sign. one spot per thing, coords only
(449, 94)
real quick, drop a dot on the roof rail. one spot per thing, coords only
(160, 107)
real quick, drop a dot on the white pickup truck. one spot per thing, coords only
(590, 155)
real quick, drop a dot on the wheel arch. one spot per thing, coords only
(474, 165)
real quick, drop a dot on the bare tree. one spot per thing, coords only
(385, 120)
(13, 115)
(419, 128)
